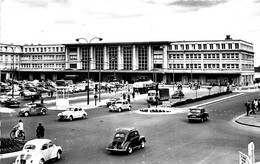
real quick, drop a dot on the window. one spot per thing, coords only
(230, 46)
(223, 46)
(199, 46)
(218, 46)
(176, 47)
(236, 46)
(204, 46)
(187, 46)
(211, 46)
(127, 57)
(112, 53)
(142, 58)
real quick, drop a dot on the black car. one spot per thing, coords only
(198, 114)
(125, 140)
(10, 102)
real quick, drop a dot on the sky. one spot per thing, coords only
(62, 21)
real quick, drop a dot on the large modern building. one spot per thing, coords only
(207, 61)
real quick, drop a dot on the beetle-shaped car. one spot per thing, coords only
(38, 151)
(125, 140)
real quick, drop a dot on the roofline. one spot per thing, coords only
(226, 40)
(120, 43)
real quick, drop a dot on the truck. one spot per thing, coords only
(163, 95)
(143, 86)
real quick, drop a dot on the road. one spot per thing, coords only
(170, 138)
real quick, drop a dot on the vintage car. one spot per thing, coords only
(177, 94)
(112, 101)
(125, 140)
(72, 113)
(30, 93)
(38, 151)
(198, 114)
(12, 102)
(120, 105)
(33, 109)
(3, 99)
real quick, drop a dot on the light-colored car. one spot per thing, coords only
(33, 109)
(38, 151)
(120, 105)
(72, 113)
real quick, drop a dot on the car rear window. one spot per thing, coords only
(32, 147)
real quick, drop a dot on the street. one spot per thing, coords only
(170, 138)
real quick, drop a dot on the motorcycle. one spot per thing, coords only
(21, 134)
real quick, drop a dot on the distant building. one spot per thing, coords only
(217, 62)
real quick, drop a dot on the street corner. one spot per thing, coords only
(251, 120)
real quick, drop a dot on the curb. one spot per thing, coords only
(243, 123)
(9, 155)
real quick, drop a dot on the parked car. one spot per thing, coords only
(112, 101)
(12, 102)
(125, 140)
(72, 113)
(198, 114)
(33, 109)
(177, 94)
(38, 151)
(120, 105)
(3, 99)
(31, 93)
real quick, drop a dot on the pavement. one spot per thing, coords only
(252, 120)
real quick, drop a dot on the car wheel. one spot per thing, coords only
(71, 118)
(58, 157)
(44, 112)
(120, 110)
(26, 114)
(84, 116)
(202, 119)
(129, 149)
(142, 144)
(129, 108)
(41, 161)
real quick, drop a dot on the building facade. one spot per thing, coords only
(215, 62)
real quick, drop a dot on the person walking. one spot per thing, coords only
(253, 107)
(256, 105)
(40, 131)
(247, 105)
(128, 98)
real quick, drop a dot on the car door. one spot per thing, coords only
(76, 113)
(32, 109)
(80, 112)
(133, 138)
(45, 151)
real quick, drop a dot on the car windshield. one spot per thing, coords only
(195, 110)
(70, 109)
(119, 102)
(151, 94)
(32, 147)
(119, 136)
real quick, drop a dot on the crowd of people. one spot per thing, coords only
(252, 107)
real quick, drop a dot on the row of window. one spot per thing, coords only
(205, 46)
(205, 66)
(42, 65)
(205, 56)
(43, 49)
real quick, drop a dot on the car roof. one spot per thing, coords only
(197, 108)
(125, 129)
(38, 142)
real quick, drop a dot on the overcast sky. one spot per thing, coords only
(62, 21)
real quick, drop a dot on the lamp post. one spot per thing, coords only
(13, 49)
(78, 39)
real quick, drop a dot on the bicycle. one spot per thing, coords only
(21, 134)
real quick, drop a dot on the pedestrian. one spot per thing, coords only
(253, 107)
(40, 131)
(51, 93)
(256, 105)
(133, 94)
(124, 95)
(41, 100)
(33, 99)
(247, 105)
(128, 98)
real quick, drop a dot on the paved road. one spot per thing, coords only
(170, 138)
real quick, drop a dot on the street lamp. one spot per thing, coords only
(13, 49)
(78, 39)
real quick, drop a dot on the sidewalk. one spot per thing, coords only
(251, 120)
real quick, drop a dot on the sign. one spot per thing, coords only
(251, 152)
(243, 159)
